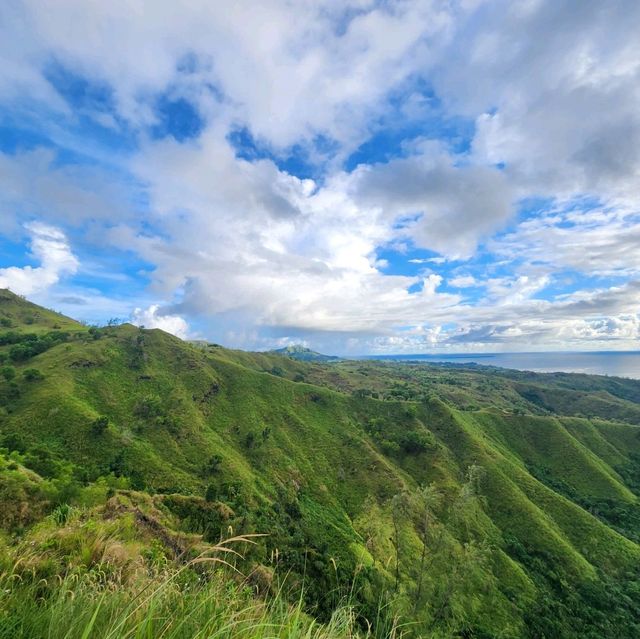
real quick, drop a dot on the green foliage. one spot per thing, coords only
(9, 392)
(211, 493)
(148, 407)
(32, 375)
(8, 372)
(27, 345)
(61, 514)
(99, 425)
(540, 542)
(416, 441)
(95, 332)
(213, 465)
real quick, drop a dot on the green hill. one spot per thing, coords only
(303, 354)
(451, 501)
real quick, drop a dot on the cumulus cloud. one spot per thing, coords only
(456, 206)
(153, 318)
(289, 72)
(50, 248)
(498, 104)
(463, 281)
(554, 90)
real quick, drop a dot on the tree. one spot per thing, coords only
(8, 372)
(429, 499)
(398, 513)
(19, 352)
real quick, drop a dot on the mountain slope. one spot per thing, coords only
(303, 354)
(528, 528)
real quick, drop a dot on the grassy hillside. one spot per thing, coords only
(417, 500)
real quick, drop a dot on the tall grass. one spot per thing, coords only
(188, 602)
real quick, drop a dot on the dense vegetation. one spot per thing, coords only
(394, 499)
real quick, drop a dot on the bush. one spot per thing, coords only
(26, 345)
(61, 514)
(8, 372)
(148, 406)
(415, 442)
(32, 375)
(100, 425)
(19, 353)
(213, 465)
(8, 392)
(211, 493)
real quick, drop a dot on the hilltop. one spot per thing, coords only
(458, 501)
(303, 354)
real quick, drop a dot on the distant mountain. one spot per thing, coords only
(303, 354)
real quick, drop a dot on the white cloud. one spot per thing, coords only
(152, 317)
(62, 194)
(601, 240)
(50, 248)
(456, 206)
(463, 281)
(553, 92)
(290, 72)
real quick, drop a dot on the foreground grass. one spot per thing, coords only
(178, 604)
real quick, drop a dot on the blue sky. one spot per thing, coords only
(361, 177)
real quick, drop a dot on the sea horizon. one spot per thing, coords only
(609, 363)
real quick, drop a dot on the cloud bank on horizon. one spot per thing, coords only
(407, 176)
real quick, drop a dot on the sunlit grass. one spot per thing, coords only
(205, 597)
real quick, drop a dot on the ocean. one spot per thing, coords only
(614, 363)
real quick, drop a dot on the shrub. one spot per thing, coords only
(211, 493)
(32, 375)
(26, 345)
(213, 465)
(8, 392)
(8, 372)
(19, 353)
(415, 442)
(148, 406)
(100, 425)
(61, 514)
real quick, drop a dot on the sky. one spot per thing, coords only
(359, 177)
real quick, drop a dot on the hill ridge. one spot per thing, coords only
(341, 465)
